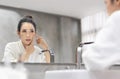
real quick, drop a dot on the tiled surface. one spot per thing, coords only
(61, 33)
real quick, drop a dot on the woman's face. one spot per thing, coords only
(27, 33)
(111, 6)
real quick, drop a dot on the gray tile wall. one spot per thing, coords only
(62, 33)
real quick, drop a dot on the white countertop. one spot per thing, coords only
(82, 74)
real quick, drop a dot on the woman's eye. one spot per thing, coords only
(31, 31)
(24, 31)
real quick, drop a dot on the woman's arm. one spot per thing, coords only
(47, 55)
(28, 51)
(43, 44)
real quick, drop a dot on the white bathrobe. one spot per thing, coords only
(105, 52)
(14, 49)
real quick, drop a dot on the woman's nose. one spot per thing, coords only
(28, 34)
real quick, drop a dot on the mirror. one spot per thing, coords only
(62, 33)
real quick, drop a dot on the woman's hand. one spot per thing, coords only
(28, 50)
(41, 42)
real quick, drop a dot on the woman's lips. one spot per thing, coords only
(28, 39)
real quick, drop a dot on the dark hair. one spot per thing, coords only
(112, 1)
(28, 19)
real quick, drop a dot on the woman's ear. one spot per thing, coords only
(18, 33)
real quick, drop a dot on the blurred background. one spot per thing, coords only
(64, 24)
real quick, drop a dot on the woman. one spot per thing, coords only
(24, 49)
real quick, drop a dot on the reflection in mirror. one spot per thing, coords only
(61, 33)
(24, 50)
